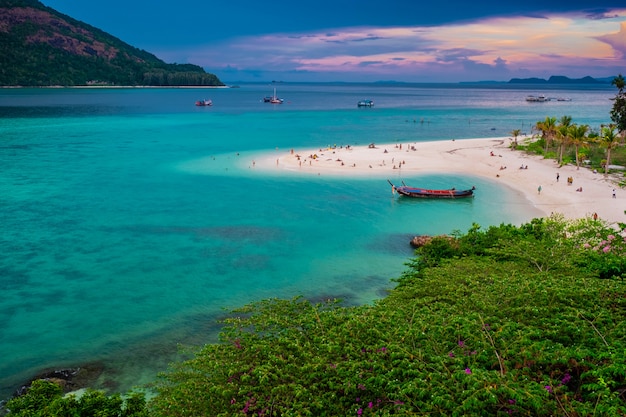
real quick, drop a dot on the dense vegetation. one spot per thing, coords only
(524, 320)
(42, 47)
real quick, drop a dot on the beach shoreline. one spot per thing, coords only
(542, 181)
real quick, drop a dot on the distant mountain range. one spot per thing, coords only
(560, 79)
(42, 47)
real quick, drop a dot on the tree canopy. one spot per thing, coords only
(618, 112)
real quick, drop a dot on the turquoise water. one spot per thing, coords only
(114, 248)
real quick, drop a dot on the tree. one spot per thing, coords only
(562, 133)
(547, 128)
(609, 139)
(618, 113)
(515, 133)
(578, 136)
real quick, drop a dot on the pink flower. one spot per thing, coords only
(606, 249)
(586, 246)
(468, 371)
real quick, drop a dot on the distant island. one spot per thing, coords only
(560, 79)
(40, 47)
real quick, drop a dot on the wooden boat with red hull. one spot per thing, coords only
(428, 193)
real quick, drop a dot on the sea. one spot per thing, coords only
(131, 223)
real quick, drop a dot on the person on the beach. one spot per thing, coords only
(614, 193)
(557, 177)
(539, 190)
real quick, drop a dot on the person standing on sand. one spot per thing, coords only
(557, 177)
(614, 193)
(539, 190)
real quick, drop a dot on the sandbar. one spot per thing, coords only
(589, 192)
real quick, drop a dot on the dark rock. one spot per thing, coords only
(70, 379)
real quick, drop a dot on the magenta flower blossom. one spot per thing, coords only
(370, 405)
(461, 343)
(606, 249)
(359, 412)
(468, 371)
(548, 388)
(451, 354)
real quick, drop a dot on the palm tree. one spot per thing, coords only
(515, 133)
(563, 138)
(562, 134)
(578, 136)
(609, 139)
(547, 128)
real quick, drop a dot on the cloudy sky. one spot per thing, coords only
(366, 40)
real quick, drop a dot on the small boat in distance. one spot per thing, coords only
(537, 99)
(204, 102)
(428, 193)
(273, 99)
(365, 103)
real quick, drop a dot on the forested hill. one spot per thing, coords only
(42, 47)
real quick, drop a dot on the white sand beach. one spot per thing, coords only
(491, 158)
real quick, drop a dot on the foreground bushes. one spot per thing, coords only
(506, 321)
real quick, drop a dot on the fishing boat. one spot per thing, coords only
(428, 193)
(204, 102)
(365, 103)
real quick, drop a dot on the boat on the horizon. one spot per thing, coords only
(365, 103)
(273, 99)
(537, 99)
(203, 103)
(430, 193)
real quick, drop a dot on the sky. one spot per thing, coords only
(369, 41)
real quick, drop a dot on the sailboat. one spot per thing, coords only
(273, 99)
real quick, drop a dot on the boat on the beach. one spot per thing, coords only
(365, 103)
(537, 99)
(204, 102)
(273, 99)
(429, 193)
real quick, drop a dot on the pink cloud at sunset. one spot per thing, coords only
(488, 49)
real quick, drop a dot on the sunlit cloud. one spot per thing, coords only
(497, 48)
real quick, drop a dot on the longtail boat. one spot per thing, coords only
(427, 193)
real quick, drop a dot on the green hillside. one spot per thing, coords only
(42, 47)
